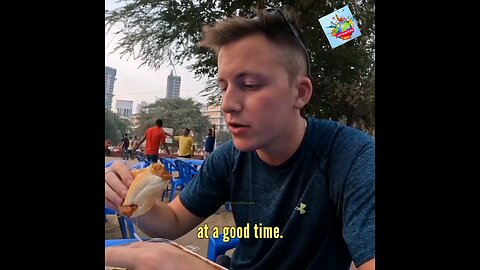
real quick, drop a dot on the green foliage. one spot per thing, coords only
(177, 113)
(222, 137)
(115, 127)
(159, 31)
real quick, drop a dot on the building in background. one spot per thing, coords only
(110, 74)
(135, 120)
(140, 106)
(215, 115)
(173, 85)
(124, 108)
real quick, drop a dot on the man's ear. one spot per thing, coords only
(304, 91)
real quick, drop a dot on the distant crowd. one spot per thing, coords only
(131, 146)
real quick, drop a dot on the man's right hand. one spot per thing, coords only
(115, 187)
(153, 256)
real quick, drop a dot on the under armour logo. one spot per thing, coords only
(301, 208)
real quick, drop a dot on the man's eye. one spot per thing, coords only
(251, 86)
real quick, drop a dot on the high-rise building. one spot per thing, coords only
(173, 86)
(215, 116)
(140, 106)
(110, 74)
(124, 108)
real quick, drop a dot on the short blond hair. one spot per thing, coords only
(271, 25)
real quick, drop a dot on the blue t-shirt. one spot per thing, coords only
(209, 143)
(322, 200)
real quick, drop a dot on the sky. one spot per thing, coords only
(143, 83)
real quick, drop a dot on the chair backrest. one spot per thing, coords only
(140, 165)
(170, 166)
(126, 225)
(140, 156)
(217, 247)
(186, 171)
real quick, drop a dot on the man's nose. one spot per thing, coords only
(231, 100)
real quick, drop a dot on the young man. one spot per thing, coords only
(209, 143)
(312, 179)
(185, 144)
(154, 136)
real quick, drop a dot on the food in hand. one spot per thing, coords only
(147, 185)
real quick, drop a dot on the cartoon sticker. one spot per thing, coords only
(340, 27)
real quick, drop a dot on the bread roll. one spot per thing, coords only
(147, 185)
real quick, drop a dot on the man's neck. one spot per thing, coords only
(286, 146)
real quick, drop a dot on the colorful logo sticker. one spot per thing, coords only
(340, 27)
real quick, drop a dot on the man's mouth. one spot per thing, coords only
(235, 125)
(238, 129)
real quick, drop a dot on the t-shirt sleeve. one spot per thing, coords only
(354, 195)
(209, 190)
(163, 137)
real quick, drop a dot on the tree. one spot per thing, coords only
(160, 31)
(115, 127)
(176, 113)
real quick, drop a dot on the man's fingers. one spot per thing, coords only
(114, 196)
(122, 170)
(111, 205)
(114, 182)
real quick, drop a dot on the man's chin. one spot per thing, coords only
(244, 145)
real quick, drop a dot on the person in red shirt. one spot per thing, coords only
(155, 136)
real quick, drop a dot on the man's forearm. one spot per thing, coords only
(166, 148)
(168, 221)
(160, 222)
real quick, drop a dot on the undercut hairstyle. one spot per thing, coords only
(272, 25)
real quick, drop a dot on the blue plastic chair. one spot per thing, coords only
(217, 247)
(171, 168)
(140, 165)
(126, 225)
(140, 156)
(228, 206)
(108, 164)
(186, 172)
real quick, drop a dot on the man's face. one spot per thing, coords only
(258, 100)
